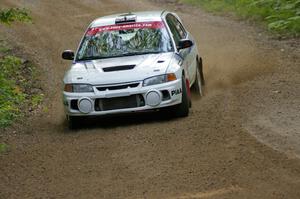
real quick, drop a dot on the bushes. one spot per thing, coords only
(280, 16)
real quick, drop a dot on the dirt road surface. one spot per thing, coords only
(242, 140)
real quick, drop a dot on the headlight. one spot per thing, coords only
(159, 79)
(78, 88)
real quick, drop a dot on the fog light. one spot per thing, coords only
(85, 105)
(153, 98)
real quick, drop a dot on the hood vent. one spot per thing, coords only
(118, 68)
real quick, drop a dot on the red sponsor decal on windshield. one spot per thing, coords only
(141, 25)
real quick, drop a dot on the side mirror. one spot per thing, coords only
(184, 43)
(68, 55)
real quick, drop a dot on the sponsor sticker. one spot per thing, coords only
(140, 25)
(176, 92)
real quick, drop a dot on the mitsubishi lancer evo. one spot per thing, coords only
(133, 62)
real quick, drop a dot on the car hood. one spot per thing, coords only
(121, 69)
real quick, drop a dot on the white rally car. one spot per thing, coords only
(132, 62)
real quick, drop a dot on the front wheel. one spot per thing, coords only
(182, 110)
(73, 122)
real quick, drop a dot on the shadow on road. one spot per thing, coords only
(120, 120)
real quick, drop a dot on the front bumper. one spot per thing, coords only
(149, 98)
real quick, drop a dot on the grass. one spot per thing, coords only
(279, 16)
(19, 88)
(18, 78)
(7, 16)
(4, 47)
(11, 95)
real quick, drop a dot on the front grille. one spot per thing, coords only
(117, 87)
(118, 68)
(115, 103)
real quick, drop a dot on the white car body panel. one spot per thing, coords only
(91, 71)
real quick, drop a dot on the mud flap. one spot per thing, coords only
(188, 89)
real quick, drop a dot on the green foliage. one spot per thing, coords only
(12, 91)
(281, 16)
(7, 16)
(3, 47)
(36, 100)
(11, 95)
(18, 88)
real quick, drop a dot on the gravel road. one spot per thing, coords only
(242, 140)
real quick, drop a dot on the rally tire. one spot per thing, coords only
(182, 109)
(73, 122)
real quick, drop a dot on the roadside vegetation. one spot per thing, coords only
(280, 16)
(7, 16)
(19, 86)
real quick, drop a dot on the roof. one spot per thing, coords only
(145, 16)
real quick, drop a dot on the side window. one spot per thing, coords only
(180, 28)
(173, 28)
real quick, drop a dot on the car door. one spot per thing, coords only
(187, 54)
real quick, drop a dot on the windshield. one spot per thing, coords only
(124, 40)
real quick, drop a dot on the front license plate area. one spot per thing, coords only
(115, 103)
